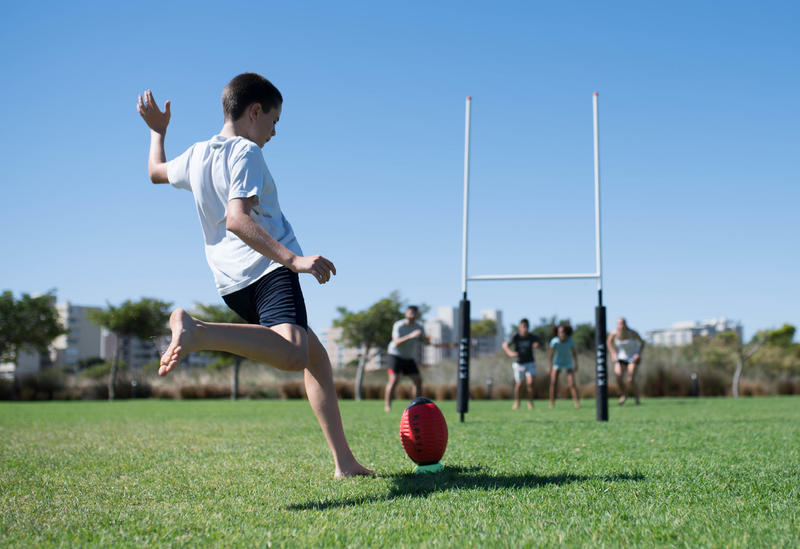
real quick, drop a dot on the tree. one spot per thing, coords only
(27, 323)
(584, 337)
(221, 313)
(720, 348)
(144, 319)
(370, 330)
(743, 353)
(482, 329)
(544, 330)
(782, 337)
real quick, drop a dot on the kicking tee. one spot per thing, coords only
(523, 346)
(407, 349)
(219, 170)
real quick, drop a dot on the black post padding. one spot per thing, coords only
(601, 375)
(463, 357)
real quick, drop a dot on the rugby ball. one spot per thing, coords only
(423, 431)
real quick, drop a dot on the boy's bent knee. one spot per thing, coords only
(298, 359)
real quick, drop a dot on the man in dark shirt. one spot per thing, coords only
(520, 347)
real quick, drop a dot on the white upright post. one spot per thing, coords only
(464, 337)
(466, 202)
(601, 352)
(597, 236)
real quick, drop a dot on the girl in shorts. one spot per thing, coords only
(563, 356)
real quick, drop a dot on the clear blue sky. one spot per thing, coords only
(700, 146)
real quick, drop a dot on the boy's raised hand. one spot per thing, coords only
(152, 115)
(316, 265)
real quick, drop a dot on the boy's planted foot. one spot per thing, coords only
(622, 400)
(515, 406)
(355, 470)
(181, 324)
(530, 406)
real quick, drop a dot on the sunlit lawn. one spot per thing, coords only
(708, 472)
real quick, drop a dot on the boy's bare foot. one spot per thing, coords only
(355, 470)
(577, 405)
(622, 400)
(530, 406)
(181, 344)
(387, 408)
(515, 406)
(552, 405)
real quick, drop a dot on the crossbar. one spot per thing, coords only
(536, 276)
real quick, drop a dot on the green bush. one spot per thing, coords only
(98, 370)
(43, 385)
(7, 389)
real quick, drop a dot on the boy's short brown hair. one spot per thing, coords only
(246, 89)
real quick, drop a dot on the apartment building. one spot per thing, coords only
(684, 333)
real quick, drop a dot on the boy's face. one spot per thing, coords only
(523, 329)
(264, 125)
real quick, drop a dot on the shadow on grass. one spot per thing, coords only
(459, 478)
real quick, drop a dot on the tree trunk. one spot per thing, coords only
(235, 381)
(112, 376)
(362, 364)
(741, 356)
(737, 374)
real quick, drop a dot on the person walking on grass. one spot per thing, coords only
(626, 348)
(563, 356)
(252, 251)
(407, 337)
(520, 348)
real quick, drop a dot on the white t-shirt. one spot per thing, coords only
(626, 348)
(219, 170)
(407, 349)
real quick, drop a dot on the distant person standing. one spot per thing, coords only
(626, 348)
(520, 347)
(407, 336)
(563, 356)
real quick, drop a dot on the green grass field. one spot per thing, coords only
(684, 473)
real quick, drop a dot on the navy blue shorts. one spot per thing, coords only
(403, 366)
(275, 298)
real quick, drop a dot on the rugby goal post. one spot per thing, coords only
(601, 374)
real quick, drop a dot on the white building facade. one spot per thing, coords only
(684, 333)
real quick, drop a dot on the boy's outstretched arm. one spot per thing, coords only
(157, 121)
(242, 225)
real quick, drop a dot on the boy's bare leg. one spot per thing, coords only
(284, 346)
(322, 397)
(553, 385)
(280, 346)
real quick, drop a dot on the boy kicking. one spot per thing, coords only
(251, 249)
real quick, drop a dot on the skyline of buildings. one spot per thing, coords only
(685, 332)
(85, 340)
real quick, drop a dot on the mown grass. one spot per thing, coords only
(682, 472)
